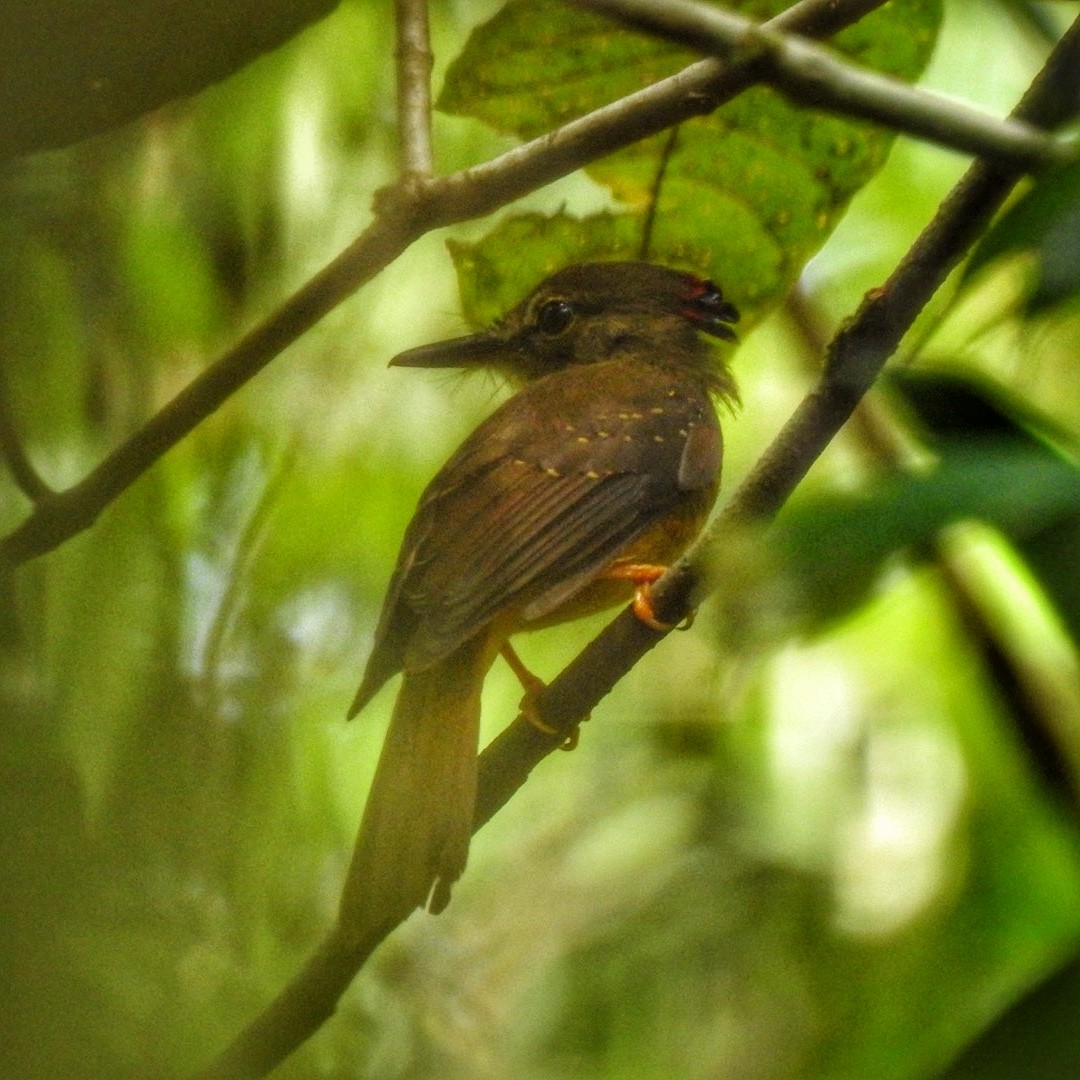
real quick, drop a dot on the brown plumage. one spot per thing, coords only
(608, 456)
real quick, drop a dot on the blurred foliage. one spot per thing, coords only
(993, 462)
(814, 838)
(1045, 224)
(1008, 1049)
(72, 70)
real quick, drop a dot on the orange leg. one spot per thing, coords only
(643, 575)
(533, 687)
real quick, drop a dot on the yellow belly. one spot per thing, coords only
(660, 545)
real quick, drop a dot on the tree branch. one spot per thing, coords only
(813, 76)
(403, 214)
(855, 358)
(414, 62)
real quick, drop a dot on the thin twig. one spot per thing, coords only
(22, 469)
(403, 214)
(649, 220)
(878, 432)
(414, 62)
(812, 75)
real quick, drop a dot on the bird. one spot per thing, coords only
(571, 497)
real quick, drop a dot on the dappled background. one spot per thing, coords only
(829, 833)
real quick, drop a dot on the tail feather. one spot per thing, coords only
(414, 836)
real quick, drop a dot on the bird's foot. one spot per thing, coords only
(643, 575)
(531, 713)
(533, 687)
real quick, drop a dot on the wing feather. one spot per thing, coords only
(538, 501)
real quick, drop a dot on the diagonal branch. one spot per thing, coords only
(812, 75)
(403, 214)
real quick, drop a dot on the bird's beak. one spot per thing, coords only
(476, 350)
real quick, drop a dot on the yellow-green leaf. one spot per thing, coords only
(745, 195)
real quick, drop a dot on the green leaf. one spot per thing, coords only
(745, 195)
(1045, 223)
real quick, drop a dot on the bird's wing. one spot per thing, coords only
(542, 497)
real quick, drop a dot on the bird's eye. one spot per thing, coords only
(554, 316)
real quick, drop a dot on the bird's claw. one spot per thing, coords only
(643, 575)
(531, 714)
(528, 708)
(642, 608)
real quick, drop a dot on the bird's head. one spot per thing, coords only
(591, 312)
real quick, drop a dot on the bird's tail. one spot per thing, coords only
(414, 836)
